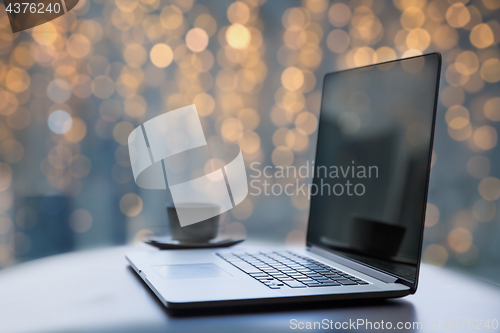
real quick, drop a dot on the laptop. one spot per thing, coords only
(367, 204)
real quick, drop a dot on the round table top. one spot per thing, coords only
(96, 290)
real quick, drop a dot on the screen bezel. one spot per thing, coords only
(309, 242)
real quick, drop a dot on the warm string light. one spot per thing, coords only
(112, 54)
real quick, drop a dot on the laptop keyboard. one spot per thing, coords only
(280, 269)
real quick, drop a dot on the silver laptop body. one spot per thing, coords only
(358, 246)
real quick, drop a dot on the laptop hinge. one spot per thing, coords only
(354, 265)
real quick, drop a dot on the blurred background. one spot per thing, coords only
(72, 90)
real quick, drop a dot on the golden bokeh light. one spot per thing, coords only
(292, 78)
(127, 5)
(78, 46)
(249, 142)
(161, 55)
(249, 118)
(485, 137)
(339, 14)
(231, 129)
(457, 117)
(238, 12)
(418, 39)
(489, 188)
(135, 106)
(316, 6)
(467, 63)
(457, 15)
(460, 134)
(412, 18)
(121, 131)
(131, 204)
(207, 23)
(17, 80)
(282, 156)
(436, 255)
(444, 37)
(431, 215)
(306, 123)
(171, 17)
(491, 4)
(338, 41)
(197, 39)
(454, 77)
(238, 36)
(296, 140)
(8, 103)
(481, 36)
(490, 70)
(205, 104)
(135, 55)
(296, 18)
(492, 109)
(460, 239)
(77, 132)
(46, 34)
(385, 53)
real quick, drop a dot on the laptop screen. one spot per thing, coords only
(373, 159)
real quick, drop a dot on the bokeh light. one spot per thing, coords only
(73, 89)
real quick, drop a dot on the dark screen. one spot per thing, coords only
(373, 162)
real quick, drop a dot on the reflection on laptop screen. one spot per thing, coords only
(373, 161)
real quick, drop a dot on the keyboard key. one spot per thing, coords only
(307, 280)
(247, 268)
(331, 284)
(322, 279)
(273, 281)
(346, 282)
(278, 276)
(321, 271)
(313, 275)
(285, 279)
(294, 284)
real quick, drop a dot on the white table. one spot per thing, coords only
(97, 291)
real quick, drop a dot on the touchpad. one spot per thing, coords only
(190, 271)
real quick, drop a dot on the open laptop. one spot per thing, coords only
(366, 221)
